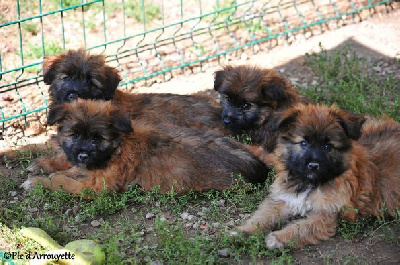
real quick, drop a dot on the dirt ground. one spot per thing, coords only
(376, 39)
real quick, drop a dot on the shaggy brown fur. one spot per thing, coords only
(78, 74)
(250, 96)
(108, 153)
(324, 172)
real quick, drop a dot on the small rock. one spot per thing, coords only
(76, 209)
(32, 210)
(224, 253)
(12, 193)
(233, 233)
(282, 70)
(68, 212)
(95, 223)
(163, 219)
(190, 217)
(189, 225)
(184, 215)
(201, 214)
(204, 209)
(221, 203)
(149, 215)
(314, 83)
(196, 225)
(377, 68)
(77, 219)
(216, 225)
(230, 223)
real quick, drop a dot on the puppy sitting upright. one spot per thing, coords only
(98, 139)
(79, 74)
(324, 172)
(249, 97)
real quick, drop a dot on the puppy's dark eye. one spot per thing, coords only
(75, 136)
(246, 106)
(228, 98)
(303, 143)
(328, 147)
(67, 79)
(72, 96)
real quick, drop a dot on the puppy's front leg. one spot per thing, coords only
(269, 213)
(71, 180)
(49, 164)
(75, 179)
(316, 227)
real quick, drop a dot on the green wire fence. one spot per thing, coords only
(149, 38)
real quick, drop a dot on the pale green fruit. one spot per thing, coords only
(88, 250)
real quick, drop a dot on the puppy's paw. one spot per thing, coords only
(272, 242)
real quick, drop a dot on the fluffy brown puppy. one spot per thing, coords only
(250, 96)
(79, 74)
(324, 173)
(107, 153)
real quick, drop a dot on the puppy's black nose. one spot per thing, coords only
(313, 165)
(227, 120)
(83, 157)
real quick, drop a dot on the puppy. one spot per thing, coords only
(107, 153)
(78, 74)
(249, 97)
(326, 171)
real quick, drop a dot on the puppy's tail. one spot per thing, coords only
(242, 161)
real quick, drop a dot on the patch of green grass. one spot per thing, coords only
(243, 138)
(225, 12)
(344, 79)
(35, 51)
(134, 9)
(31, 28)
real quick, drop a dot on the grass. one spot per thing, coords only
(345, 79)
(32, 28)
(35, 51)
(134, 9)
(130, 236)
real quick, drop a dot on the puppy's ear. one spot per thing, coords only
(57, 114)
(122, 123)
(219, 77)
(50, 65)
(284, 120)
(111, 83)
(274, 89)
(350, 122)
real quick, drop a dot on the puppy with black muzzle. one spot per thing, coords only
(108, 152)
(250, 95)
(79, 74)
(325, 171)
